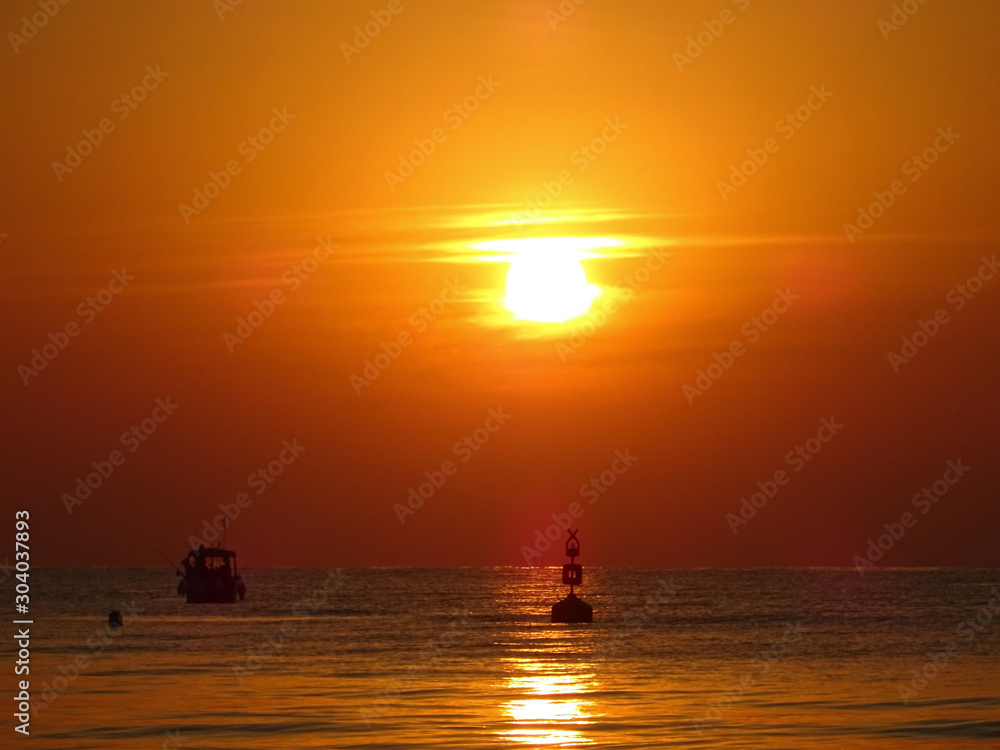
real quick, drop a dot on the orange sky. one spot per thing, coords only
(612, 114)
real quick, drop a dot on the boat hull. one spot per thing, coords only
(210, 592)
(210, 577)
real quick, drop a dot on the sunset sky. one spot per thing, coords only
(374, 191)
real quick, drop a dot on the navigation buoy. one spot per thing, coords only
(572, 608)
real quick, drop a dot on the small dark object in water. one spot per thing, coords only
(572, 608)
(115, 619)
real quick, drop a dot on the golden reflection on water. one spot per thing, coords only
(552, 708)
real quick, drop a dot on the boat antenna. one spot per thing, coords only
(170, 562)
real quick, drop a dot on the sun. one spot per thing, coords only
(548, 285)
(546, 282)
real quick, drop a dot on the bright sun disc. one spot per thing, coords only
(546, 281)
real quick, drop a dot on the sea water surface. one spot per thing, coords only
(466, 658)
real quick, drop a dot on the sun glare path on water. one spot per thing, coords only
(546, 282)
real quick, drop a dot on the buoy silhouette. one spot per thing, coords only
(572, 608)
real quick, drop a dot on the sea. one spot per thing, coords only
(468, 658)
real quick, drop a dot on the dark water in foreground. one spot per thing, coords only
(466, 658)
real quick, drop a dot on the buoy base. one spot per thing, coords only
(572, 609)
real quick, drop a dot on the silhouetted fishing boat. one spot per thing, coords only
(210, 577)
